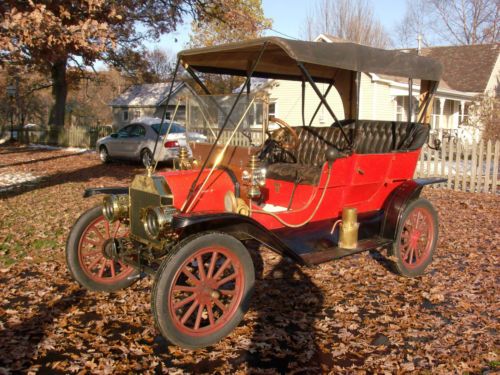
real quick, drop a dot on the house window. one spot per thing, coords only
(272, 109)
(125, 115)
(436, 110)
(402, 108)
(137, 113)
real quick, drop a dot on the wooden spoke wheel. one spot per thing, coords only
(416, 238)
(202, 290)
(89, 253)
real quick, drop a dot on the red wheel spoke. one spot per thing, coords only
(94, 263)
(210, 315)
(113, 272)
(201, 267)
(220, 304)
(222, 269)
(87, 255)
(92, 242)
(190, 276)
(410, 257)
(189, 312)
(184, 301)
(98, 232)
(226, 279)
(182, 288)
(227, 292)
(117, 228)
(198, 317)
(101, 271)
(106, 223)
(211, 267)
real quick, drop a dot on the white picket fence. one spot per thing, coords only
(470, 167)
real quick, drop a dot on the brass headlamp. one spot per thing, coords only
(157, 219)
(115, 207)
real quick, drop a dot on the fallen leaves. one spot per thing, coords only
(347, 316)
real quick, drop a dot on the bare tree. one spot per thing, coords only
(352, 20)
(456, 22)
(160, 64)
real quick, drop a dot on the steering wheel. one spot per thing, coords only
(286, 136)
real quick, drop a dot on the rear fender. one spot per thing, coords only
(241, 227)
(397, 201)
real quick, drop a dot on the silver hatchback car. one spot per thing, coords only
(137, 141)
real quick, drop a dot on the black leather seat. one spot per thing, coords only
(368, 137)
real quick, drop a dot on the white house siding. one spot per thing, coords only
(376, 102)
(288, 98)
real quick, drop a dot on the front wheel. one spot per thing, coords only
(89, 250)
(416, 239)
(202, 290)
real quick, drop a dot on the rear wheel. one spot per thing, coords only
(88, 253)
(146, 157)
(202, 290)
(416, 239)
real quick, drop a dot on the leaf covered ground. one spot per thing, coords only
(348, 316)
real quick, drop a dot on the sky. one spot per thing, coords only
(288, 17)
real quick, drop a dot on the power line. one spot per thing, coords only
(285, 35)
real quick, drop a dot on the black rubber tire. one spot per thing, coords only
(397, 264)
(165, 276)
(146, 155)
(73, 263)
(104, 155)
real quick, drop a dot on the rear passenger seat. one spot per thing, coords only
(370, 137)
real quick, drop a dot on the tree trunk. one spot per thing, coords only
(59, 93)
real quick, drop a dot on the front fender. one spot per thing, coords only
(397, 201)
(239, 226)
(105, 190)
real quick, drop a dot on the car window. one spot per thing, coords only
(137, 131)
(125, 132)
(176, 128)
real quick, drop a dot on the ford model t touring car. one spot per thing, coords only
(313, 194)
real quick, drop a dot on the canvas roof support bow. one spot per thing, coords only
(323, 100)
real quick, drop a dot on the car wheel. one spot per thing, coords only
(202, 290)
(416, 239)
(104, 154)
(146, 157)
(87, 250)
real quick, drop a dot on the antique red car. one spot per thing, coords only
(313, 194)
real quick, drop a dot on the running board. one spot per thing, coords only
(321, 256)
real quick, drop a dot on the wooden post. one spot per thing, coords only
(495, 168)
(458, 158)
(465, 176)
(479, 174)
(473, 168)
(450, 163)
(426, 93)
(488, 168)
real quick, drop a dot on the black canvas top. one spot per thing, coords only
(322, 60)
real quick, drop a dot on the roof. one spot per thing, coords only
(145, 95)
(465, 68)
(322, 60)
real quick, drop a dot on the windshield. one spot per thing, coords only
(176, 128)
(206, 114)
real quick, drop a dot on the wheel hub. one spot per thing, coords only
(110, 248)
